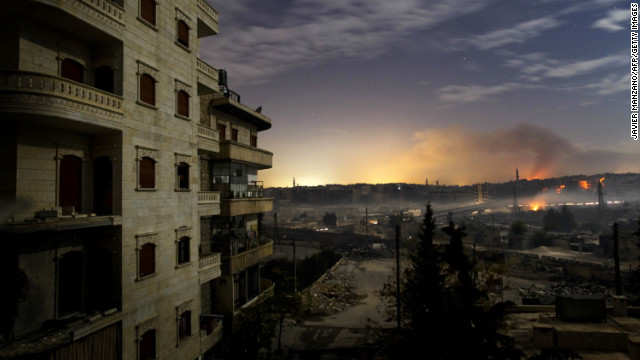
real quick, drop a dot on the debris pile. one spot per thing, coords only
(331, 294)
(361, 254)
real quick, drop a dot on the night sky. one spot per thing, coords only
(382, 91)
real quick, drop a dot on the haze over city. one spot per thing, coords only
(455, 91)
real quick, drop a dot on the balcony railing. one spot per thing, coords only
(208, 203)
(210, 334)
(96, 12)
(208, 139)
(207, 78)
(259, 158)
(209, 268)
(50, 95)
(207, 19)
(239, 262)
(267, 288)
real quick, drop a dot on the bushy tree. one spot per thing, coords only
(518, 228)
(330, 219)
(562, 220)
(439, 302)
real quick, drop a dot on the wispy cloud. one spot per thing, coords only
(517, 34)
(313, 31)
(536, 66)
(613, 21)
(475, 93)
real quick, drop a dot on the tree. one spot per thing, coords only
(562, 220)
(330, 219)
(439, 305)
(518, 228)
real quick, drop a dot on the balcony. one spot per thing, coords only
(236, 207)
(208, 139)
(267, 288)
(210, 334)
(261, 159)
(207, 19)
(231, 105)
(209, 268)
(207, 78)
(51, 96)
(105, 15)
(208, 203)
(239, 262)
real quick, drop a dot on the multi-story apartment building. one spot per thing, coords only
(126, 227)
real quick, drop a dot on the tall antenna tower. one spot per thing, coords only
(294, 181)
(601, 202)
(515, 208)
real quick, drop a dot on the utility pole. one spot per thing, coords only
(275, 230)
(366, 221)
(295, 266)
(616, 259)
(398, 313)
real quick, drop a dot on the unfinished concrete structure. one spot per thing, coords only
(107, 177)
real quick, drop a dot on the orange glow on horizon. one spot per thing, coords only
(583, 184)
(559, 189)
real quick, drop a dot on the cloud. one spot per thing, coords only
(461, 155)
(536, 66)
(308, 32)
(518, 34)
(476, 93)
(613, 22)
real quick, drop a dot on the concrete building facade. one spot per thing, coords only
(110, 244)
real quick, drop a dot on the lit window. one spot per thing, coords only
(183, 250)
(184, 325)
(148, 11)
(147, 173)
(183, 103)
(147, 345)
(147, 89)
(183, 33)
(147, 259)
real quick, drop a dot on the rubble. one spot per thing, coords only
(331, 294)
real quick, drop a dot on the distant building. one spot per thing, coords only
(481, 192)
(130, 193)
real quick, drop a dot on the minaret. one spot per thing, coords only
(294, 181)
(517, 175)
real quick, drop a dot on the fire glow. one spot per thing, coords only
(583, 184)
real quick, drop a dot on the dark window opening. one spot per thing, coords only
(147, 89)
(147, 173)
(100, 275)
(183, 33)
(148, 11)
(72, 70)
(102, 186)
(183, 176)
(147, 259)
(254, 141)
(71, 182)
(234, 134)
(70, 282)
(104, 78)
(184, 325)
(183, 103)
(183, 250)
(222, 132)
(148, 345)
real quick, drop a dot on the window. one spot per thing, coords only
(147, 345)
(102, 186)
(104, 78)
(70, 185)
(72, 70)
(70, 282)
(183, 176)
(184, 325)
(183, 250)
(147, 260)
(183, 103)
(254, 141)
(147, 173)
(222, 132)
(234, 134)
(147, 89)
(183, 33)
(148, 11)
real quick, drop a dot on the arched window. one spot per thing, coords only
(148, 11)
(72, 70)
(147, 260)
(183, 103)
(183, 33)
(183, 250)
(183, 176)
(70, 190)
(104, 78)
(147, 345)
(147, 173)
(147, 89)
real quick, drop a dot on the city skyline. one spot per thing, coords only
(463, 92)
